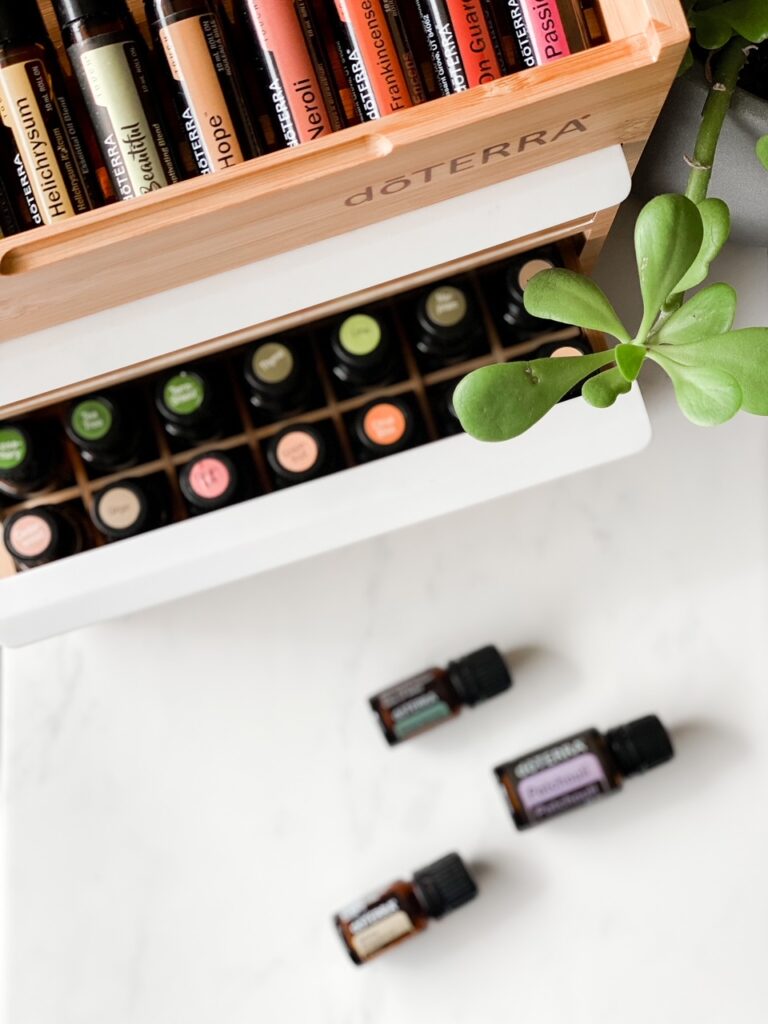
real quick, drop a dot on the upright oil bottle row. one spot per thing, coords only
(194, 92)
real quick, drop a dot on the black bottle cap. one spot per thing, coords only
(68, 11)
(480, 675)
(209, 481)
(17, 453)
(297, 453)
(640, 745)
(362, 348)
(21, 22)
(121, 510)
(386, 426)
(445, 885)
(36, 536)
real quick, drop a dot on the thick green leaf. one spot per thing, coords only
(629, 360)
(710, 312)
(762, 151)
(571, 298)
(706, 396)
(668, 237)
(716, 222)
(604, 388)
(741, 354)
(747, 17)
(687, 64)
(498, 402)
(712, 30)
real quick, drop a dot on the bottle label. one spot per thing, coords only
(28, 109)
(461, 42)
(13, 448)
(373, 58)
(294, 86)
(521, 33)
(545, 30)
(418, 714)
(574, 781)
(199, 61)
(379, 926)
(112, 79)
(184, 393)
(92, 420)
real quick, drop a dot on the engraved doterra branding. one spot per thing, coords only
(108, 75)
(27, 109)
(422, 176)
(548, 758)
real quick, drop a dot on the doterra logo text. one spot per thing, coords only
(466, 162)
(549, 758)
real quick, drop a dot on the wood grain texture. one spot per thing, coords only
(611, 94)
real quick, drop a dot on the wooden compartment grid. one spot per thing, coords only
(334, 410)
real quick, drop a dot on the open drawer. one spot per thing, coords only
(437, 472)
(360, 176)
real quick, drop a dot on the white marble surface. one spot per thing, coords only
(190, 793)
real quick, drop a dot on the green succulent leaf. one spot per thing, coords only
(496, 403)
(716, 224)
(571, 298)
(710, 312)
(743, 355)
(762, 151)
(747, 17)
(604, 388)
(629, 360)
(668, 237)
(706, 396)
(687, 63)
(712, 30)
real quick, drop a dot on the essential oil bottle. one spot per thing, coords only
(278, 379)
(403, 909)
(35, 537)
(114, 72)
(208, 95)
(581, 768)
(385, 427)
(544, 31)
(443, 410)
(291, 69)
(187, 403)
(363, 352)
(437, 695)
(377, 57)
(513, 281)
(299, 453)
(30, 460)
(104, 433)
(30, 111)
(449, 326)
(125, 509)
(463, 42)
(212, 481)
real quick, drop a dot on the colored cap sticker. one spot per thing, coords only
(92, 419)
(209, 478)
(272, 363)
(446, 306)
(385, 424)
(13, 448)
(119, 507)
(297, 451)
(184, 393)
(360, 334)
(30, 536)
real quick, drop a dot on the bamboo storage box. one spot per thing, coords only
(608, 95)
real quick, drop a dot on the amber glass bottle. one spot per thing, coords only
(31, 115)
(403, 909)
(114, 73)
(463, 42)
(581, 768)
(208, 95)
(437, 695)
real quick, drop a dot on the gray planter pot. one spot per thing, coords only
(739, 178)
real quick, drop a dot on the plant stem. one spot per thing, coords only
(728, 69)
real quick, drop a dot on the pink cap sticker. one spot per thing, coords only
(30, 536)
(209, 478)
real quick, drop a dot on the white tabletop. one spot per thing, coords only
(191, 793)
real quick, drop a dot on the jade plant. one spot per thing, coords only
(715, 370)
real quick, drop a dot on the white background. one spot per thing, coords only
(190, 793)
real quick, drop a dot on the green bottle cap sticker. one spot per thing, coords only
(184, 393)
(13, 448)
(360, 334)
(92, 419)
(272, 363)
